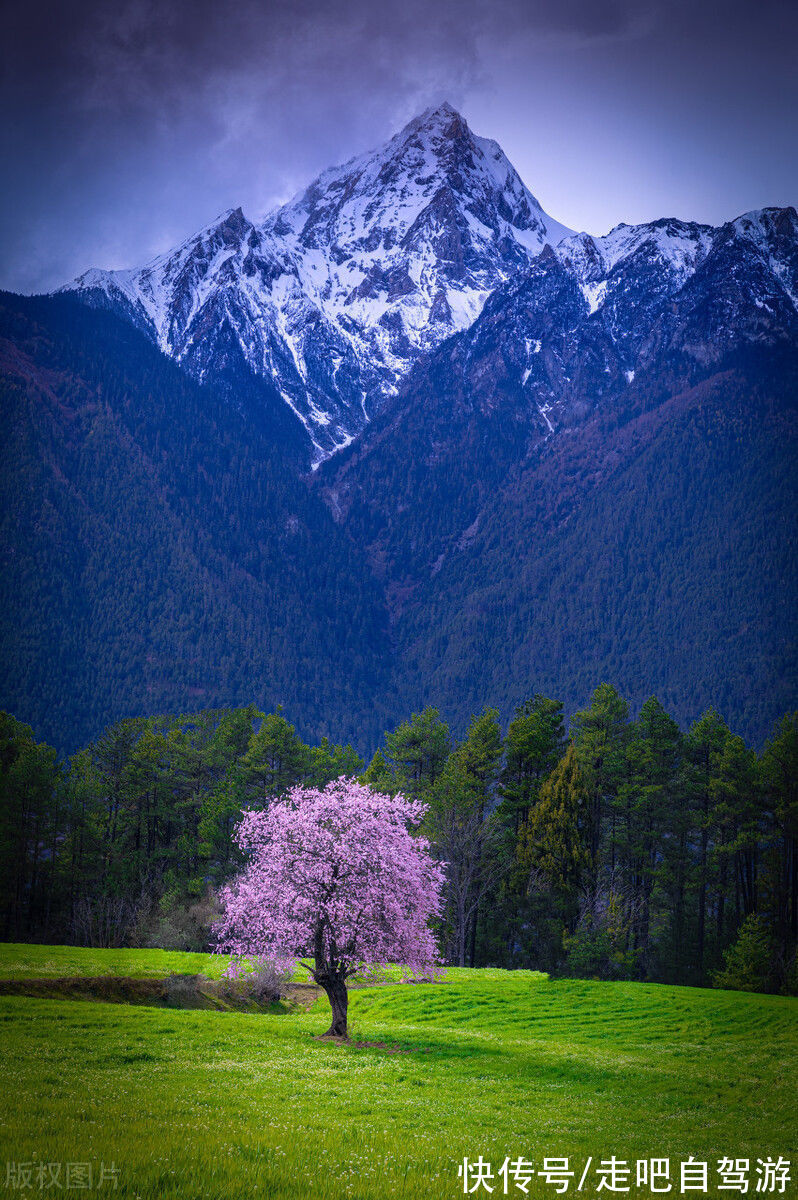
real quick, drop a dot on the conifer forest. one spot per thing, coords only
(622, 847)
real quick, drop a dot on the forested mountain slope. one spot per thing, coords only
(659, 554)
(157, 552)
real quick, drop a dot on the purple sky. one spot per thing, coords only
(129, 125)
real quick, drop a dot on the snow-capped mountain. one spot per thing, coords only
(329, 301)
(636, 271)
(648, 303)
(334, 296)
(594, 328)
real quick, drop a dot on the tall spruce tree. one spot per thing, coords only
(779, 774)
(705, 743)
(560, 829)
(533, 746)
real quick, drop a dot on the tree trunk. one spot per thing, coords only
(473, 950)
(702, 894)
(462, 922)
(339, 1001)
(721, 902)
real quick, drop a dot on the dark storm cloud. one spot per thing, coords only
(129, 125)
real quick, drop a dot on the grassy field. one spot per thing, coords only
(53, 962)
(25, 961)
(231, 1106)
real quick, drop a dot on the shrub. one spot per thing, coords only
(178, 924)
(789, 985)
(261, 980)
(102, 921)
(749, 961)
(601, 946)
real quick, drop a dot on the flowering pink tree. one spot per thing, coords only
(334, 875)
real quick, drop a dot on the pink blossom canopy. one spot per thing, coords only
(335, 871)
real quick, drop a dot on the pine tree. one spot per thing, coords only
(379, 776)
(600, 735)
(276, 759)
(327, 762)
(705, 743)
(641, 814)
(465, 839)
(779, 775)
(748, 963)
(419, 748)
(534, 744)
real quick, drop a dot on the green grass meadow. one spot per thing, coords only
(19, 961)
(229, 1105)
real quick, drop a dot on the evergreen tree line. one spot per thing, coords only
(620, 849)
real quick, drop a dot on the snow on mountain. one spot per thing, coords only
(676, 246)
(335, 295)
(594, 317)
(631, 278)
(423, 229)
(774, 232)
(660, 256)
(631, 272)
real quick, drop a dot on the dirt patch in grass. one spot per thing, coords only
(389, 1049)
(303, 995)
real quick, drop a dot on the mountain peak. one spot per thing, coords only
(434, 172)
(441, 130)
(445, 109)
(438, 115)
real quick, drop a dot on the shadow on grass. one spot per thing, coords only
(187, 992)
(487, 1058)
